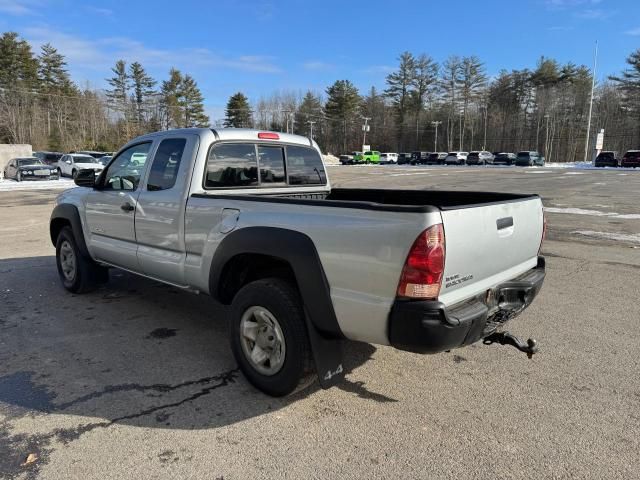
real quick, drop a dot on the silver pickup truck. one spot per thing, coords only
(250, 218)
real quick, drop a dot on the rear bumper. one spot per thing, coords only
(430, 327)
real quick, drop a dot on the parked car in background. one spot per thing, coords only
(92, 153)
(105, 159)
(436, 158)
(50, 158)
(607, 159)
(631, 159)
(456, 158)
(404, 158)
(346, 159)
(71, 163)
(372, 156)
(504, 158)
(479, 158)
(29, 168)
(358, 157)
(419, 158)
(529, 159)
(388, 158)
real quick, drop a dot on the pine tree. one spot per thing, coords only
(238, 112)
(169, 100)
(52, 72)
(118, 96)
(142, 85)
(192, 102)
(310, 110)
(399, 87)
(343, 103)
(18, 65)
(629, 83)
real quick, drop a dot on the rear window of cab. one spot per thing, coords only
(253, 165)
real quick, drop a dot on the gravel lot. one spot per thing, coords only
(136, 380)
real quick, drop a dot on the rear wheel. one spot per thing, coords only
(269, 336)
(78, 273)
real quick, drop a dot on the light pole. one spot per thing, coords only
(461, 131)
(593, 86)
(365, 129)
(311, 129)
(435, 140)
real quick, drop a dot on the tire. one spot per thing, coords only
(78, 273)
(74, 173)
(59, 173)
(18, 177)
(282, 303)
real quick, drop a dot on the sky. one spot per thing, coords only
(262, 46)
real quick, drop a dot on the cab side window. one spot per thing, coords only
(166, 163)
(232, 165)
(125, 171)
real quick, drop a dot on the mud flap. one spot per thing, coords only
(327, 356)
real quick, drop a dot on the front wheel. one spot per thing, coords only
(74, 174)
(269, 336)
(18, 177)
(78, 273)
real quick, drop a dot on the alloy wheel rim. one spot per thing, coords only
(67, 261)
(262, 340)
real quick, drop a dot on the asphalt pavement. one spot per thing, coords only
(136, 380)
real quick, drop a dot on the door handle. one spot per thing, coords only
(127, 207)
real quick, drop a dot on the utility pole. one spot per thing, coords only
(293, 119)
(593, 86)
(486, 115)
(546, 142)
(286, 112)
(461, 131)
(435, 140)
(365, 129)
(311, 129)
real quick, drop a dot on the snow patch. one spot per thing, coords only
(594, 213)
(620, 237)
(12, 185)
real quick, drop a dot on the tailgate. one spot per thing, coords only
(489, 244)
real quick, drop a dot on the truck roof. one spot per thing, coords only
(238, 134)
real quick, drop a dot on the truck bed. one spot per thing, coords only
(387, 199)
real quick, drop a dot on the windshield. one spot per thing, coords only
(84, 159)
(29, 161)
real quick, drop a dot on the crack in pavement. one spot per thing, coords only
(14, 446)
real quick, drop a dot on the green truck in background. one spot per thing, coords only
(372, 156)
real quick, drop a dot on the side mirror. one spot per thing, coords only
(85, 178)
(68, 162)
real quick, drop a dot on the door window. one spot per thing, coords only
(166, 163)
(125, 171)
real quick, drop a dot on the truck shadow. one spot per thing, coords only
(133, 352)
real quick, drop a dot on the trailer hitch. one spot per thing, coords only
(505, 338)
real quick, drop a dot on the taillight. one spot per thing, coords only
(268, 136)
(422, 273)
(544, 230)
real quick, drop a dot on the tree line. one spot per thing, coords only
(425, 105)
(42, 106)
(456, 106)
